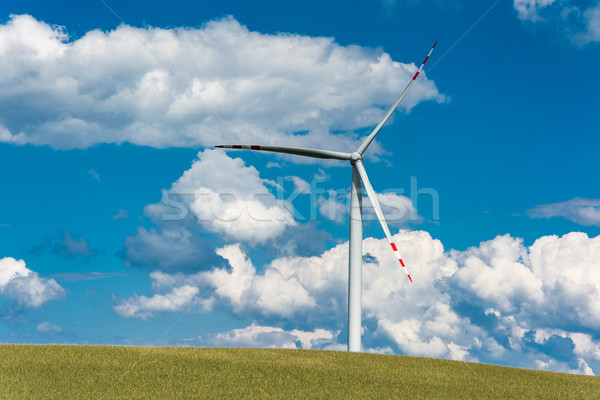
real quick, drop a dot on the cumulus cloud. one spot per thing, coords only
(24, 286)
(496, 273)
(269, 293)
(238, 287)
(579, 210)
(294, 288)
(225, 197)
(579, 21)
(532, 306)
(224, 83)
(553, 284)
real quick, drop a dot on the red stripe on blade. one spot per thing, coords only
(409, 278)
(402, 262)
(219, 146)
(434, 44)
(394, 246)
(415, 77)
(255, 147)
(426, 58)
(236, 146)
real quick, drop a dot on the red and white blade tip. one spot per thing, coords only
(400, 259)
(424, 61)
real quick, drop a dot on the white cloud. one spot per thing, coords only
(530, 9)
(234, 285)
(26, 287)
(226, 197)
(266, 336)
(553, 283)
(179, 299)
(269, 293)
(108, 87)
(495, 273)
(242, 216)
(46, 327)
(585, 346)
(239, 287)
(578, 21)
(411, 339)
(579, 210)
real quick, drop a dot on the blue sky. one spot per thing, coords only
(111, 225)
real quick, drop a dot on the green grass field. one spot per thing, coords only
(96, 372)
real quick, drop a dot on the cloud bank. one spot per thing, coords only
(502, 302)
(499, 302)
(191, 87)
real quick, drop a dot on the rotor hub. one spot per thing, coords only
(356, 156)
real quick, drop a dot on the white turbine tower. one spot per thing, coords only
(358, 175)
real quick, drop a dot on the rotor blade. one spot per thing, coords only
(315, 153)
(373, 198)
(365, 144)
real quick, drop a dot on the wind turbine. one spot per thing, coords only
(355, 243)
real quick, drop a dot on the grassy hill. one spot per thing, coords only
(85, 372)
